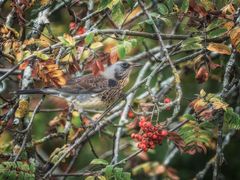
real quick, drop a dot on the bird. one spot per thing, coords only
(91, 91)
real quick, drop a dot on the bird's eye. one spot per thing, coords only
(125, 65)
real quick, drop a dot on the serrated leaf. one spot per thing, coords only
(118, 13)
(121, 51)
(232, 119)
(99, 162)
(162, 9)
(89, 38)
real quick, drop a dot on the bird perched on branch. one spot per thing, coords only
(92, 92)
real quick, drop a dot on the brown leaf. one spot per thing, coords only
(196, 7)
(202, 74)
(235, 36)
(229, 25)
(219, 48)
(228, 9)
(50, 73)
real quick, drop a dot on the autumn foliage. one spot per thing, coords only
(179, 109)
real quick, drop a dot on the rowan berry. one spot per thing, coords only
(164, 133)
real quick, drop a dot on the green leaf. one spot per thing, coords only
(121, 51)
(118, 13)
(215, 24)
(41, 55)
(192, 47)
(217, 33)
(192, 43)
(108, 171)
(103, 4)
(232, 119)
(130, 3)
(99, 162)
(185, 6)
(89, 38)
(90, 178)
(191, 40)
(169, 4)
(162, 8)
(126, 176)
(133, 42)
(189, 117)
(118, 172)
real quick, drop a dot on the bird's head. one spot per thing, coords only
(119, 70)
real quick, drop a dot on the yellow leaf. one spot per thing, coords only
(44, 2)
(69, 39)
(85, 54)
(96, 45)
(219, 48)
(202, 93)
(41, 55)
(218, 104)
(235, 36)
(67, 58)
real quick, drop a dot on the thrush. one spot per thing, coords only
(90, 91)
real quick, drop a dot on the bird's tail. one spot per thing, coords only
(37, 91)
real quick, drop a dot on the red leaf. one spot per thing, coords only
(100, 65)
(202, 74)
(81, 30)
(72, 25)
(95, 69)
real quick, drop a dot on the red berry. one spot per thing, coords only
(164, 133)
(149, 134)
(133, 135)
(145, 135)
(167, 100)
(150, 143)
(139, 137)
(154, 136)
(81, 30)
(130, 114)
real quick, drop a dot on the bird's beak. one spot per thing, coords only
(135, 65)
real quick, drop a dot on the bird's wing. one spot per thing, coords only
(88, 84)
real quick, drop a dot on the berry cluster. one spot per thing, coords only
(166, 101)
(151, 135)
